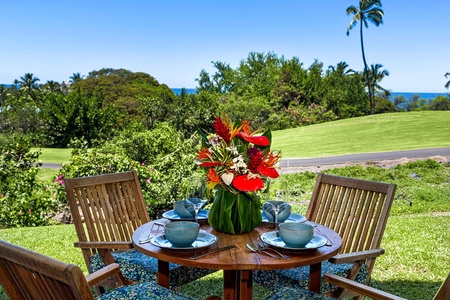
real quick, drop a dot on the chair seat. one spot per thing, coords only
(145, 290)
(297, 294)
(299, 277)
(138, 267)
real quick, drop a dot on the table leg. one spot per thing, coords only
(315, 271)
(246, 285)
(163, 273)
(230, 278)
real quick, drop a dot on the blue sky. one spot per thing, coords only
(174, 40)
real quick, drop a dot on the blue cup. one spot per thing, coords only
(181, 234)
(296, 235)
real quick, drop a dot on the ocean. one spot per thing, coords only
(426, 96)
(189, 91)
(407, 95)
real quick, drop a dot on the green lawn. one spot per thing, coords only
(377, 133)
(53, 155)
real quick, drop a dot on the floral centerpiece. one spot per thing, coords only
(239, 164)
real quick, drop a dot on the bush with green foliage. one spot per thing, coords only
(23, 201)
(160, 157)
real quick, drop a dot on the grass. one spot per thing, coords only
(376, 133)
(46, 174)
(54, 155)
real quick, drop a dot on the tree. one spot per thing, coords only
(375, 76)
(27, 82)
(75, 77)
(368, 11)
(447, 85)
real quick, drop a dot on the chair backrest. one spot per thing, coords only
(25, 274)
(111, 206)
(356, 209)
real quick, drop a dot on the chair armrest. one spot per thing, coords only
(104, 245)
(102, 274)
(356, 256)
(359, 288)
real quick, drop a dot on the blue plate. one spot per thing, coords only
(172, 215)
(204, 240)
(273, 239)
(292, 218)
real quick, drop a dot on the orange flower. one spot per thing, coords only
(204, 153)
(213, 178)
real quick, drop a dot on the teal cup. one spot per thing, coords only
(181, 234)
(296, 235)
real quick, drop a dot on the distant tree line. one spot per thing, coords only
(272, 91)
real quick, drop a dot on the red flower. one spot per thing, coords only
(222, 130)
(244, 183)
(210, 164)
(258, 140)
(267, 171)
(256, 158)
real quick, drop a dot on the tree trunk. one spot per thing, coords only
(366, 71)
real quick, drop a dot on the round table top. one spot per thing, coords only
(239, 257)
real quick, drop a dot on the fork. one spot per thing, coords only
(329, 243)
(261, 246)
(256, 250)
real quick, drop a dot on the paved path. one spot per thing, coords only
(298, 162)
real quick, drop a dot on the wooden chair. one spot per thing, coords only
(296, 293)
(25, 274)
(358, 211)
(106, 210)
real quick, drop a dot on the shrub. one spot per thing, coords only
(23, 201)
(161, 159)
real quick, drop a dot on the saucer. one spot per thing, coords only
(272, 238)
(204, 240)
(172, 215)
(292, 218)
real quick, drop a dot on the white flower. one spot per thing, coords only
(233, 150)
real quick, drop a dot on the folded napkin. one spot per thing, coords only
(185, 210)
(283, 214)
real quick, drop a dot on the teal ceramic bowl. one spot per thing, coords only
(296, 235)
(181, 234)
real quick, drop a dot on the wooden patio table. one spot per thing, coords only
(238, 262)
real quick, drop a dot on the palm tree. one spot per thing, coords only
(75, 77)
(447, 85)
(375, 76)
(27, 82)
(342, 69)
(368, 10)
